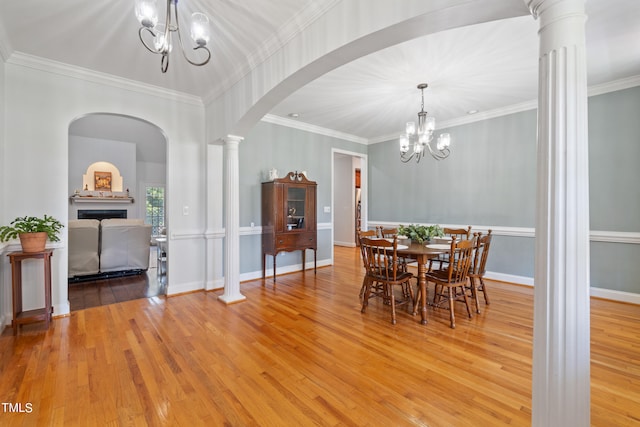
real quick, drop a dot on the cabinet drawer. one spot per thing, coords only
(296, 240)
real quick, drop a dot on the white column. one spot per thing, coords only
(232, 222)
(215, 217)
(561, 354)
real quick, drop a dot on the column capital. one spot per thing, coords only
(537, 7)
(232, 139)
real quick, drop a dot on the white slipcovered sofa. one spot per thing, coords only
(84, 247)
(118, 245)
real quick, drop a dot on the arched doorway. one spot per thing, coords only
(136, 150)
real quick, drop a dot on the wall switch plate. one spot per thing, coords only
(327, 209)
(185, 210)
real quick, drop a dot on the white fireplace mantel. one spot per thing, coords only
(91, 199)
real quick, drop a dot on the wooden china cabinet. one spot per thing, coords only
(288, 218)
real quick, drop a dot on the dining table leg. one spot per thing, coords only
(422, 284)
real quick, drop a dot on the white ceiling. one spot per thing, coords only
(483, 67)
(150, 142)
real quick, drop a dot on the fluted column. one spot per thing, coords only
(561, 354)
(232, 222)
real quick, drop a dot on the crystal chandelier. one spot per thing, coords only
(160, 34)
(419, 139)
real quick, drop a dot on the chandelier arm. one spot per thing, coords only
(184, 51)
(144, 43)
(406, 159)
(198, 63)
(164, 62)
(440, 154)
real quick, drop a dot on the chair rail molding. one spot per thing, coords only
(629, 237)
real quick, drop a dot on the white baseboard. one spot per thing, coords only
(214, 285)
(183, 288)
(62, 309)
(613, 295)
(282, 270)
(346, 244)
(5, 321)
(510, 278)
(620, 296)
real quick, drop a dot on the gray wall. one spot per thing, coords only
(489, 180)
(270, 146)
(614, 160)
(614, 187)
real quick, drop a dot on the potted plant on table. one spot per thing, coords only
(32, 232)
(421, 233)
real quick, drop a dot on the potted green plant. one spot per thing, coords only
(420, 233)
(32, 232)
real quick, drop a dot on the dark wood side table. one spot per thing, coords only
(41, 314)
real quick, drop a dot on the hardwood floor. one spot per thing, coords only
(94, 293)
(300, 353)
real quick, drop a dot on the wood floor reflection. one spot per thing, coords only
(95, 293)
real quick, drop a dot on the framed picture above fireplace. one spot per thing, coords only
(102, 181)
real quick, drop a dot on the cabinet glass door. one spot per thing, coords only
(296, 198)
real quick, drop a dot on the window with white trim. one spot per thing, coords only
(154, 209)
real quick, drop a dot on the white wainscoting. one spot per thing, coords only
(252, 275)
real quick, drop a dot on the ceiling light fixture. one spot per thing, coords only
(420, 138)
(147, 14)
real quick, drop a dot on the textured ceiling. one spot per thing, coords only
(484, 67)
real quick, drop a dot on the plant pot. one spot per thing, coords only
(33, 242)
(406, 241)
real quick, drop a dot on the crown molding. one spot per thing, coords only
(478, 117)
(277, 120)
(273, 44)
(594, 90)
(491, 114)
(55, 67)
(614, 86)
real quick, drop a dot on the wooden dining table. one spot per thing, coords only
(422, 254)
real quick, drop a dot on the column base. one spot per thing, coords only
(232, 299)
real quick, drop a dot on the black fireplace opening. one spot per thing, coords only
(100, 214)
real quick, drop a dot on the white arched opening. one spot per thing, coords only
(112, 162)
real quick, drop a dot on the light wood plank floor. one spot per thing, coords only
(301, 353)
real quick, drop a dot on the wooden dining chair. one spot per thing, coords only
(381, 261)
(390, 233)
(387, 233)
(451, 281)
(459, 234)
(479, 268)
(376, 288)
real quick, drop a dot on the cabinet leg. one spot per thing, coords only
(274, 266)
(304, 259)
